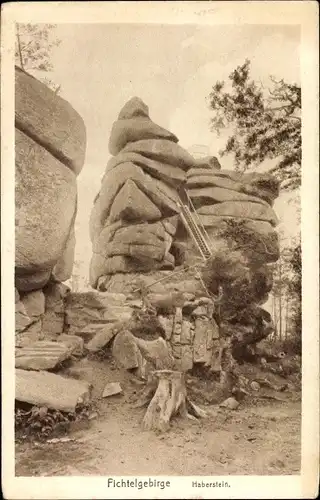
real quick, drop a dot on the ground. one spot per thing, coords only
(260, 437)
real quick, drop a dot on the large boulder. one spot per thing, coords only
(131, 204)
(101, 265)
(140, 241)
(133, 108)
(262, 186)
(211, 195)
(84, 309)
(135, 129)
(49, 120)
(167, 173)
(162, 150)
(46, 194)
(161, 195)
(50, 143)
(242, 209)
(62, 271)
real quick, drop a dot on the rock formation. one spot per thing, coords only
(133, 221)
(50, 142)
(137, 233)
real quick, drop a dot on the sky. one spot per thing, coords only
(170, 67)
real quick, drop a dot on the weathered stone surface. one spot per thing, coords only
(200, 311)
(163, 151)
(112, 389)
(94, 300)
(185, 336)
(87, 333)
(32, 280)
(170, 224)
(80, 314)
(200, 178)
(210, 163)
(125, 351)
(134, 107)
(106, 235)
(129, 282)
(129, 130)
(62, 271)
(50, 120)
(212, 195)
(205, 332)
(167, 324)
(54, 316)
(177, 351)
(34, 303)
(248, 210)
(262, 186)
(45, 207)
(230, 404)
(22, 320)
(50, 390)
(131, 204)
(186, 357)
(101, 266)
(102, 338)
(73, 342)
(31, 334)
(265, 185)
(215, 364)
(42, 355)
(167, 173)
(140, 241)
(178, 321)
(166, 301)
(164, 197)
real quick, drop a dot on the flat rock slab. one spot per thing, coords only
(51, 390)
(112, 389)
(125, 351)
(74, 342)
(102, 338)
(41, 355)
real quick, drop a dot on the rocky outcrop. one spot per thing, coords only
(135, 225)
(50, 143)
(129, 223)
(137, 233)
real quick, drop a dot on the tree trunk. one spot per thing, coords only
(165, 390)
(280, 302)
(19, 48)
(170, 399)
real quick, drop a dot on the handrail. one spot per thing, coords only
(198, 218)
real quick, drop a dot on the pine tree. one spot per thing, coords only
(264, 123)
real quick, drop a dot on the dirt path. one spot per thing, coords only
(260, 439)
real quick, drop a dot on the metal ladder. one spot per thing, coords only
(194, 226)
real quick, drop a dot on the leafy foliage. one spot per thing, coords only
(41, 422)
(34, 43)
(264, 124)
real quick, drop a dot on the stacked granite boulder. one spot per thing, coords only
(236, 211)
(138, 235)
(50, 143)
(134, 218)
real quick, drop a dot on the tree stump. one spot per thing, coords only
(165, 391)
(168, 393)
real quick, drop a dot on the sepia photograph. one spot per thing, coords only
(158, 247)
